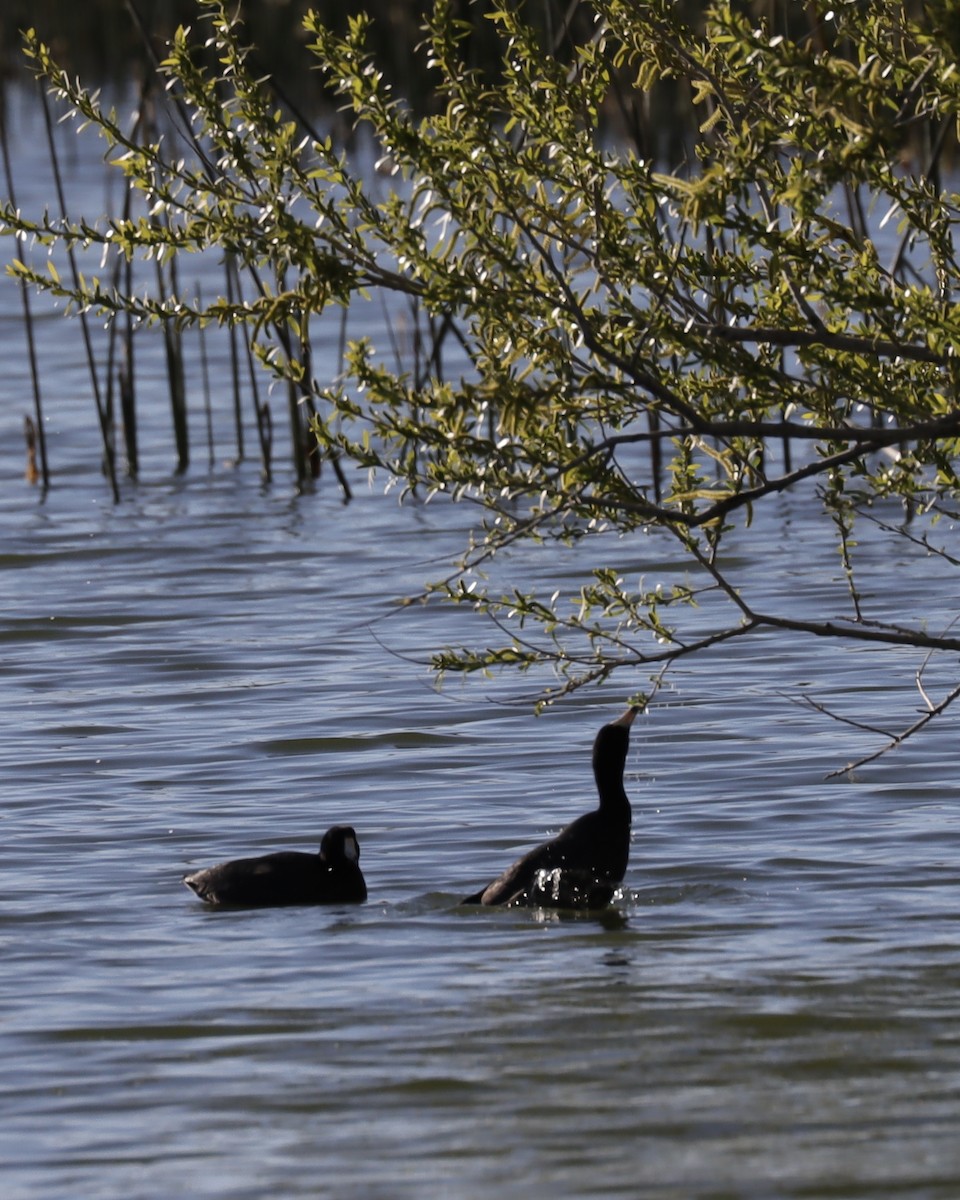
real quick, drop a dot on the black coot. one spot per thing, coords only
(585, 863)
(288, 877)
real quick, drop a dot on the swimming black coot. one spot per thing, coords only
(288, 877)
(585, 863)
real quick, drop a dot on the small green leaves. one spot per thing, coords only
(648, 347)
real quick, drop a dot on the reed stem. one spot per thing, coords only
(103, 417)
(39, 440)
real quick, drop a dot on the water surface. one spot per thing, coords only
(213, 669)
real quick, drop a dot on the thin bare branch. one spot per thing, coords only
(805, 701)
(900, 738)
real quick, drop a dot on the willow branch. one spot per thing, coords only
(820, 336)
(900, 738)
(808, 702)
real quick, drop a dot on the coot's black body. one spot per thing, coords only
(585, 863)
(288, 877)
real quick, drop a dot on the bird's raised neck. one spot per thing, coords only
(609, 759)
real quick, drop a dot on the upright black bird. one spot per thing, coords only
(288, 877)
(584, 864)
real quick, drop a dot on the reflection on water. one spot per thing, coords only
(211, 669)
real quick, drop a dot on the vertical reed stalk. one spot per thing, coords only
(262, 414)
(308, 410)
(656, 454)
(238, 331)
(265, 434)
(233, 288)
(128, 408)
(30, 437)
(125, 371)
(173, 348)
(124, 377)
(205, 379)
(293, 397)
(297, 440)
(787, 446)
(39, 440)
(109, 460)
(296, 432)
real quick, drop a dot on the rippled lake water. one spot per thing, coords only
(212, 668)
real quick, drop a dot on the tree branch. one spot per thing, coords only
(900, 738)
(820, 336)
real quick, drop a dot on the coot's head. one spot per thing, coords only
(340, 845)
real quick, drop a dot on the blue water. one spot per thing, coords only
(215, 668)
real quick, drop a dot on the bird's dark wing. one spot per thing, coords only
(522, 878)
(516, 880)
